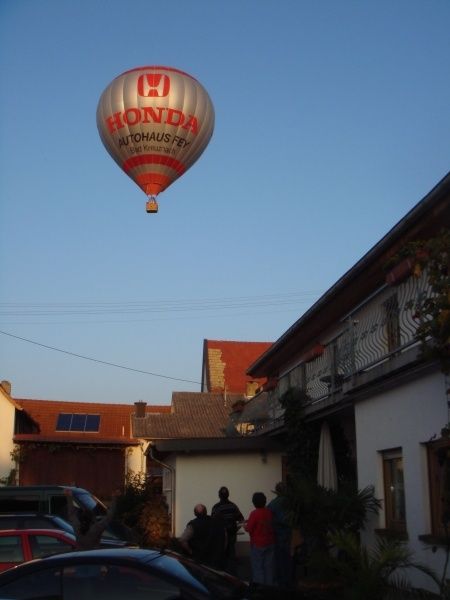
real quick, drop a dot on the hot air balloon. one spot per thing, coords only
(155, 122)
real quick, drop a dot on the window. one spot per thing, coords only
(392, 323)
(19, 503)
(439, 481)
(39, 585)
(106, 582)
(394, 491)
(11, 549)
(58, 506)
(44, 545)
(77, 422)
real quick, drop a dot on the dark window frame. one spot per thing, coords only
(438, 457)
(394, 491)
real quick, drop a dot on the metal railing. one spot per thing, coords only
(378, 329)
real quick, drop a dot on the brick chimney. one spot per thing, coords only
(6, 386)
(140, 409)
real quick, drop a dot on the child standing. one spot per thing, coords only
(262, 540)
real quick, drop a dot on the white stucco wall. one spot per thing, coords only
(405, 418)
(7, 414)
(199, 477)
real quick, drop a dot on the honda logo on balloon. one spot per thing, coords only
(152, 85)
(155, 122)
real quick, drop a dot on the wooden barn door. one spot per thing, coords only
(99, 470)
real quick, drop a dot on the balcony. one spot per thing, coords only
(372, 342)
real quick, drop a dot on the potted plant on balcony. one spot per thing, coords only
(432, 311)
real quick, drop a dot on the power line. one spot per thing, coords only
(25, 309)
(96, 360)
(202, 316)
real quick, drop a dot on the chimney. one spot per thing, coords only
(6, 386)
(140, 409)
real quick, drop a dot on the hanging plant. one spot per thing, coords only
(432, 312)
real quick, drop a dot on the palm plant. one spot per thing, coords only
(318, 511)
(375, 574)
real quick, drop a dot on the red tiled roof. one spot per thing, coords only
(194, 415)
(225, 364)
(114, 420)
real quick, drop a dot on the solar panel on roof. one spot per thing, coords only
(77, 422)
(63, 422)
(92, 423)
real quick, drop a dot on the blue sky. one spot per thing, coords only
(332, 121)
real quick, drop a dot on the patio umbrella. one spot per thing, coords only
(326, 469)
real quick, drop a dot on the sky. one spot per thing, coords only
(332, 122)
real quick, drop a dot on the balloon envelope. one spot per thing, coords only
(155, 122)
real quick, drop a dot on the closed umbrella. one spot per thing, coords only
(326, 469)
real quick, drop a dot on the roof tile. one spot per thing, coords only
(194, 415)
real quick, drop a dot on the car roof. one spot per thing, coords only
(166, 564)
(38, 488)
(28, 514)
(37, 531)
(130, 556)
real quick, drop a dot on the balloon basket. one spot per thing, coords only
(151, 206)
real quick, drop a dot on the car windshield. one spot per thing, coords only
(115, 530)
(62, 524)
(86, 500)
(219, 585)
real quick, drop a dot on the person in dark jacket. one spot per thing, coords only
(205, 538)
(88, 529)
(231, 516)
(283, 537)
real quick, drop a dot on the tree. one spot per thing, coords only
(432, 309)
(143, 508)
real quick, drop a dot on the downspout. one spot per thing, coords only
(172, 495)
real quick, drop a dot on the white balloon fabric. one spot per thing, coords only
(155, 122)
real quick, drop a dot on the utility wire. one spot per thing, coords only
(8, 309)
(96, 360)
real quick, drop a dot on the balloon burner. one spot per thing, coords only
(152, 205)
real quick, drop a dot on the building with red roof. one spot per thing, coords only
(89, 444)
(225, 363)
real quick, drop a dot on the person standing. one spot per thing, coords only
(204, 538)
(283, 536)
(231, 517)
(88, 530)
(262, 540)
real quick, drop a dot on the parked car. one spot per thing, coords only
(20, 545)
(34, 521)
(52, 500)
(40, 521)
(125, 574)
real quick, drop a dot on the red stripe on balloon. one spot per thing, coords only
(154, 159)
(156, 68)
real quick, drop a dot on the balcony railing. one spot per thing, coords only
(373, 333)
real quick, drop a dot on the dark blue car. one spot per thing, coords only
(125, 574)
